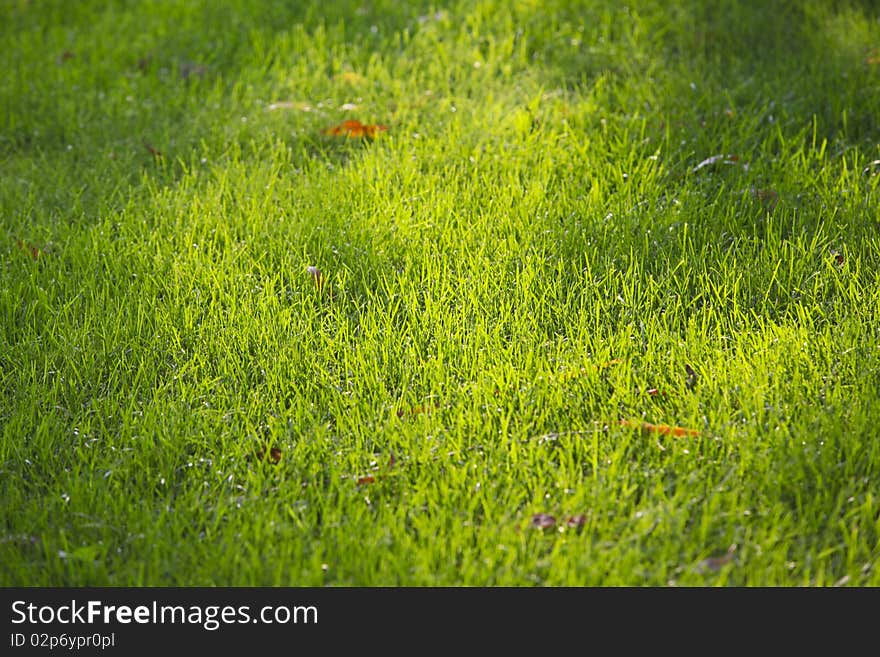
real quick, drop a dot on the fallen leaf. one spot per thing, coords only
(273, 456)
(542, 521)
(766, 196)
(691, 377)
(65, 56)
(839, 259)
(33, 251)
(152, 150)
(664, 429)
(714, 564)
(716, 159)
(188, 69)
(653, 392)
(576, 522)
(418, 410)
(371, 479)
(355, 129)
(316, 275)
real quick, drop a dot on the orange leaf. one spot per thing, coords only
(368, 479)
(664, 429)
(417, 410)
(355, 130)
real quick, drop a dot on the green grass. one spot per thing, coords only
(534, 209)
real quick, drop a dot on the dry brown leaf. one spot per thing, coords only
(273, 455)
(714, 564)
(316, 275)
(188, 69)
(691, 377)
(576, 522)
(542, 521)
(30, 249)
(155, 152)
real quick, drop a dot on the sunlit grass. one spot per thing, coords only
(529, 255)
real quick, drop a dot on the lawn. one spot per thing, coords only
(593, 299)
